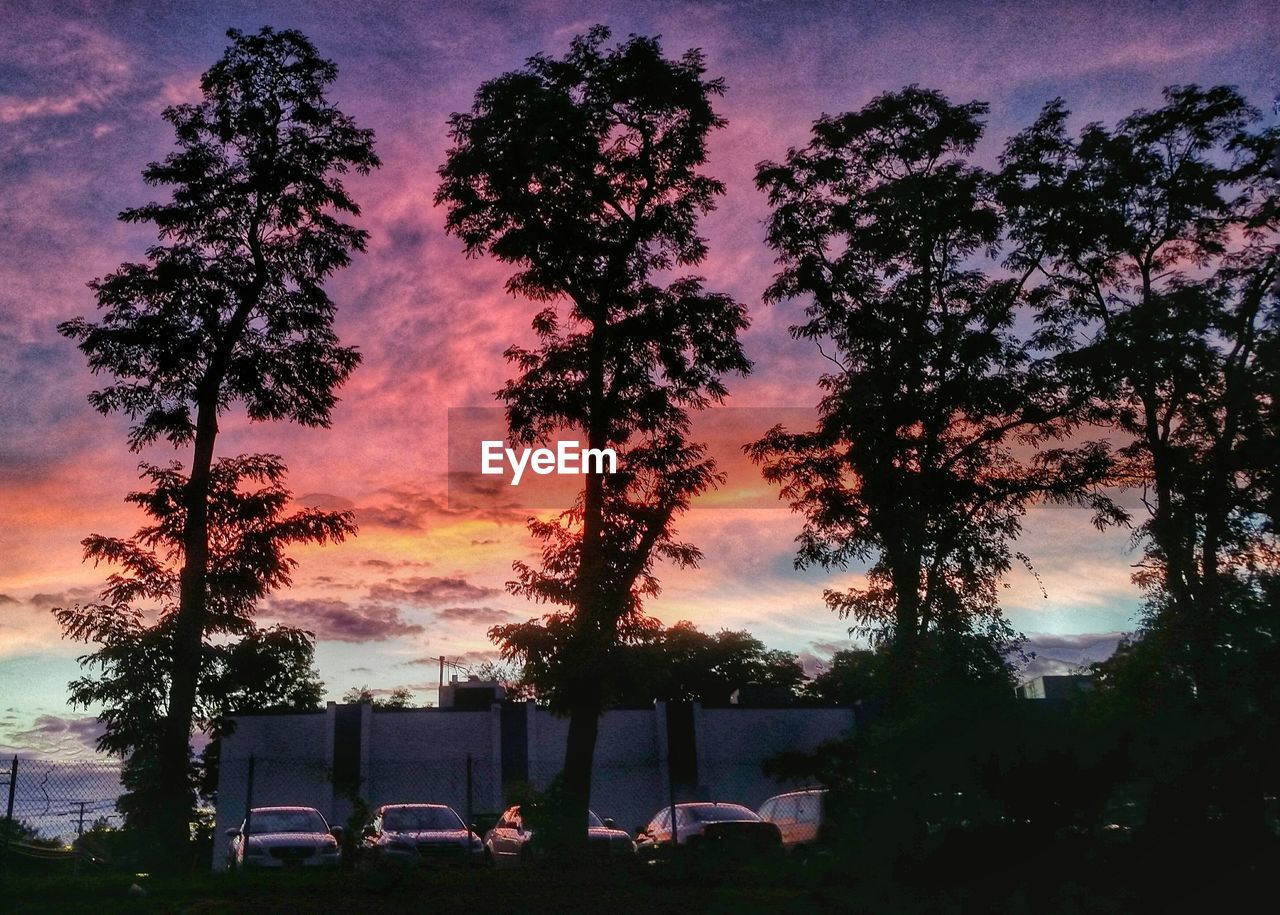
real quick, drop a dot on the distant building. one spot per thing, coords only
(472, 693)
(1066, 686)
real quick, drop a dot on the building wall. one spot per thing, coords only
(421, 755)
(733, 743)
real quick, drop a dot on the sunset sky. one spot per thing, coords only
(82, 86)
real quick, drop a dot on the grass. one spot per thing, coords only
(974, 873)
(648, 889)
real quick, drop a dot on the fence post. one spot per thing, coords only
(248, 816)
(248, 794)
(471, 817)
(8, 817)
(13, 784)
(671, 791)
(79, 843)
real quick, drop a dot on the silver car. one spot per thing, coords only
(280, 837)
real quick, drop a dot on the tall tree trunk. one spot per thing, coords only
(593, 619)
(579, 759)
(174, 822)
(905, 658)
(173, 833)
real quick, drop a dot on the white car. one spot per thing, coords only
(801, 817)
(279, 837)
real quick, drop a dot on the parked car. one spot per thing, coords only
(418, 834)
(278, 837)
(729, 827)
(511, 842)
(801, 817)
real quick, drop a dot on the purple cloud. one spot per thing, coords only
(484, 616)
(1065, 654)
(430, 590)
(811, 664)
(337, 621)
(829, 648)
(58, 736)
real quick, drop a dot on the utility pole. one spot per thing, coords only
(8, 819)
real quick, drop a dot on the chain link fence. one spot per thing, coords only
(56, 810)
(58, 800)
(471, 788)
(629, 793)
(467, 787)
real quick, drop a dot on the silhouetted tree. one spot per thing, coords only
(240, 666)
(19, 830)
(266, 670)
(229, 307)
(584, 173)
(400, 697)
(1159, 246)
(509, 676)
(881, 225)
(852, 675)
(680, 663)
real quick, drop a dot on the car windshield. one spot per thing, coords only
(593, 821)
(419, 819)
(719, 813)
(264, 822)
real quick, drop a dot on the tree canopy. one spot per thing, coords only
(1158, 247)
(680, 663)
(881, 225)
(399, 697)
(1157, 243)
